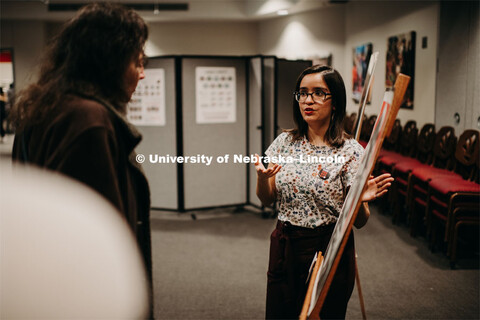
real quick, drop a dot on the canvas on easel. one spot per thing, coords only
(326, 270)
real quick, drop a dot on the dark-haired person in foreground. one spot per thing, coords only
(72, 120)
(311, 195)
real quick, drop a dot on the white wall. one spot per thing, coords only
(458, 77)
(473, 102)
(375, 22)
(336, 30)
(27, 38)
(339, 28)
(195, 38)
(314, 33)
(202, 38)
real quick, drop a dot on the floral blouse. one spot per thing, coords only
(311, 185)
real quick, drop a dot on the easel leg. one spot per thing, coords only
(360, 295)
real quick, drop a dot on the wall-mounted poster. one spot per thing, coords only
(215, 95)
(401, 59)
(147, 106)
(361, 57)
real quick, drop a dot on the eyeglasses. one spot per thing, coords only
(318, 96)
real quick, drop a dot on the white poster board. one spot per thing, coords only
(147, 106)
(215, 95)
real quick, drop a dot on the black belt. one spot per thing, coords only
(288, 227)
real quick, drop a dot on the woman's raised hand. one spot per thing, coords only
(377, 187)
(263, 173)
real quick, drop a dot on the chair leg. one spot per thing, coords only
(454, 240)
(408, 197)
(451, 232)
(417, 218)
(428, 216)
(400, 209)
(396, 211)
(428, 222)
(433, 236)
(384, 205)
(413, 220)
(390, 199)
(453, 246)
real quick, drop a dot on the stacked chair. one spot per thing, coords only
(420, 176)
(390, 144)
(436, 188)
(403, 166)
(454, 198)
(406, 150)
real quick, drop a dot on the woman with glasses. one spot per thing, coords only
(72, 119)
(310, 194)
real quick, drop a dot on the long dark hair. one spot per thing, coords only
(90, 55)
(335, 135)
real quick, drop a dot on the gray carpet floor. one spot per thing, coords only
(214, 267)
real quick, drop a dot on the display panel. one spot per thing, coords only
(218, 183)
(255, 121)
(287, 72)
(161, 140)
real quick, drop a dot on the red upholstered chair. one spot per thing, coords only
(402, 169)
(442, 164)
(425, 143)
(390, 148)
(390, 144)
(454, 200)
(408, 142)
(406, 148)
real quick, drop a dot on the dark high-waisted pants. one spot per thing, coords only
(292, 250)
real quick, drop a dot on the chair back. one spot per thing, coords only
(466, 154)
(444, 148)
(408, 142)
(425, 143)
(391, 141)
(477, 173)
(367, 128)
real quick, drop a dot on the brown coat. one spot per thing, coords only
(88, 140)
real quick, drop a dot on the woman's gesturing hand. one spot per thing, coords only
(376, 187)
(263, 173)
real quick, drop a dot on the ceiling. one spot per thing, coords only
(239, 10)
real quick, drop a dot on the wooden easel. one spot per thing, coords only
(357, 129)
(308, 296)
(401, 85)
